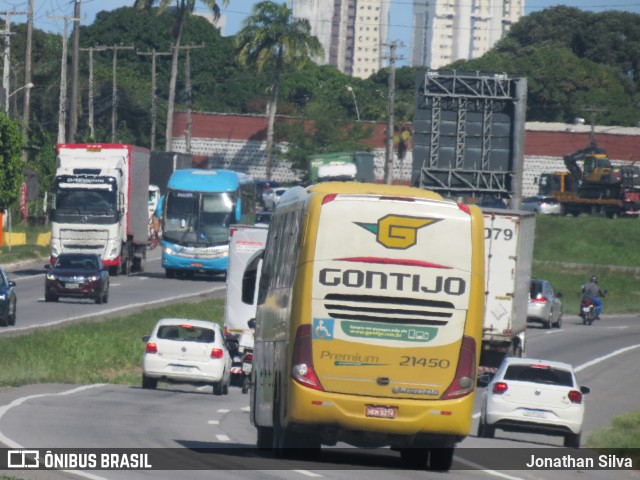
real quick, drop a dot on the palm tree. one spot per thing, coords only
(272, 36)
(183, 8)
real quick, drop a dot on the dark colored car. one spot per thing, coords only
(79, 275)
(8, 300)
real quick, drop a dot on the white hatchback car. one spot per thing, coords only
(538, 396)
(186, 351)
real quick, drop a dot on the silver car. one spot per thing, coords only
(544, 306)
(542, 204)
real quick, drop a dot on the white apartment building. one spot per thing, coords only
(353, 33)
(448, 30)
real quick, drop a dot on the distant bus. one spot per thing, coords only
(197, 210)
(369, 321)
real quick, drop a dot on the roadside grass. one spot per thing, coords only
(28, 251)
(22, 252)
(569, 250)
(90, 351)
(622, 438)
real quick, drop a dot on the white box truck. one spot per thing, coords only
(246, 244)
(509, 236)
(101, 204)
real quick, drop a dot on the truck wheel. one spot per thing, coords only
(124, 266)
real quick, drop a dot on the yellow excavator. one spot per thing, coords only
(598, 187)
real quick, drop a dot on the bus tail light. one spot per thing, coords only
(302, 370)
(465, 378)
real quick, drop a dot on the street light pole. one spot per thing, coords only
(354, 101)
(6, 104)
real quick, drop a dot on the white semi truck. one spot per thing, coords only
(101, 204)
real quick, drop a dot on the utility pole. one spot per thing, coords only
(114, 95)
(26, 105)
(388, 165)
(6, 85)
(92, 132)
(154, 94)
(187, 79)
(75, 54)
(62, 114)
(171, 105)
(187, 133)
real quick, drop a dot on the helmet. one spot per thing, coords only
(594, 279)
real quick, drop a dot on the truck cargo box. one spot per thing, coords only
(509, 236)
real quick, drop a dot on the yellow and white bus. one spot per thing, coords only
(369, 321)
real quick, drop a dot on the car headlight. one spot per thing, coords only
(51, 276)
(93, 278)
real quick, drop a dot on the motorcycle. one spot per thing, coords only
(587, 311)
(247, 359)
(242, 358)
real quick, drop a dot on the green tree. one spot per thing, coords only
(271, 35)
(183, 9)
(11, 164)
(323, 130)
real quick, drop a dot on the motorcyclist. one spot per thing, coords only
(593, 292)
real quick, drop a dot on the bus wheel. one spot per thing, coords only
(415, 458)
(441, 458)
(265, 438)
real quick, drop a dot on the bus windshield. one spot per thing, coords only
(198, 218)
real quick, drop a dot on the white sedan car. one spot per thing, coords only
(538, 396)
(187, 351)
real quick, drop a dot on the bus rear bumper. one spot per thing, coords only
(339, 417)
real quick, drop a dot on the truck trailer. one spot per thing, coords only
(101, 204)
(508, 247)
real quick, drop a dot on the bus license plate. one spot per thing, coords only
(381, 412)
(196, 264)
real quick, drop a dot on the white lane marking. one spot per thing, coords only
(490, 472)
(223, 410)
(213, 422)
(19, 401)
(223, 438)
(246, 409)
(308, 473)
(595, 361)
(113, 310)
